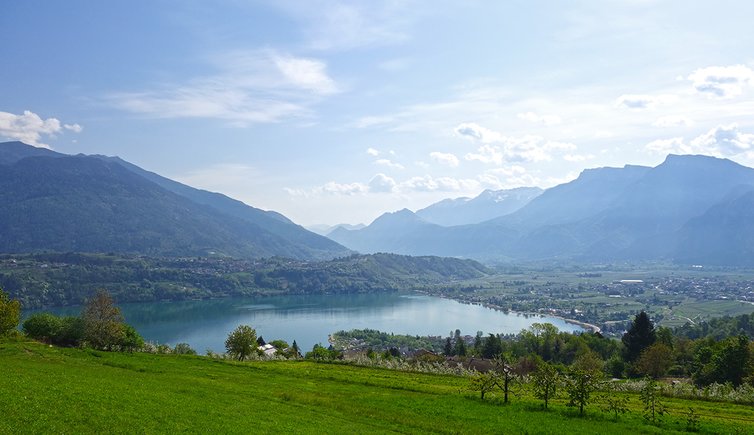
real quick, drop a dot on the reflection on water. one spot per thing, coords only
(310, 318)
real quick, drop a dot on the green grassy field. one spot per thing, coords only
(54, 390)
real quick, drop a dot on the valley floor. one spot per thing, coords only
(54, 390)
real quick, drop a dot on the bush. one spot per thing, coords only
(10, 313)
(43, 327)
(183, 349)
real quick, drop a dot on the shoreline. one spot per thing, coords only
(584, 325)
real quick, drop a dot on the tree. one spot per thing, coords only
(492, 346)
(545, 382)
(613, 403)
(655, 360)
(650, 396)
(183, 349)
(103, 322)
(130, 339)
(242, 342)
(42, 326)
(484, 383)
(448, 349)
(295, 351)
(580, 385)
(639, 336)
(460, 348)
(10, 313)
(506, 376)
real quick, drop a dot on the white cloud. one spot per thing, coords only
(724, 140)
(642, 101)
(30, 127)
(259, 86)
(475, 131)
(344, 189)
(672, 121)
(546, 120)
(673, 145)
(337, 25)
(381, 183)
(447, 159)
(527, 148)
(389, 163)
(722, 81)
(578, 157)
(428, 183)
(73, 127)
(307, 74)
(486, 154)
(373, 152)
(721, 141)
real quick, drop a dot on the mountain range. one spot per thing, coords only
(58, 202)
(689, 209)
(487, 205)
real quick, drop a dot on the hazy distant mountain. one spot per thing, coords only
(688, 207)
(487, 205)
(324, 229)
(54, 202)
(724, 235)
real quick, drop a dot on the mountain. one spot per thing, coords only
(487, 205)
(724, 235)
(689, 208)
(55, 202)
(324, 229)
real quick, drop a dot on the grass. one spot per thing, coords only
(55, 390)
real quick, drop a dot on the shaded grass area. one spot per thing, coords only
(45, 390)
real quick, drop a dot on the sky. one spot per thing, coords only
(337, 111)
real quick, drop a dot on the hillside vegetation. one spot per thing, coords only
(144, 393)
(68, 279)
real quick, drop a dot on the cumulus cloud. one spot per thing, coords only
(389, 163)
(30, 127)
(477, 132)
(496, 148)
(672, 121)
(722, 81)
(724, 140)
(721, 141)
(428, 183)
(73, 127)
(546, 120)
(373, 152)
(673, 145)
(447, 159)
(259, 86)
(381, 183)
(642, 101)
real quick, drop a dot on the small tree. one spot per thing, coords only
(580, 385)
(10, 313)
(506, 376)
(242, 342)
(295, 351)
(42, 326)
(448, 348)
(650, 396)
(184, 349)
(612, 402)
(103, 322)
(545, 382)
(655, 360)
(484, 383)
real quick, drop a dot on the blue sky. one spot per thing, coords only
(335, 112)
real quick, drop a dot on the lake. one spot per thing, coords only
(309, 319)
